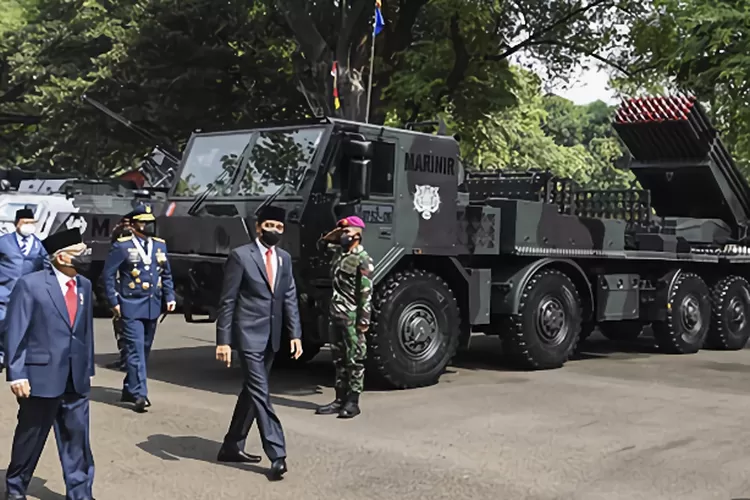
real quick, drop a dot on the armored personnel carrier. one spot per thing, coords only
(94, 206)
(526, 256)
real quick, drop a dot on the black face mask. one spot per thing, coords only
(270, 238)
(81, 263)
(347, 241)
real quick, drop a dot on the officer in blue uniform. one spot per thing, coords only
(21, 253)
(145, 279)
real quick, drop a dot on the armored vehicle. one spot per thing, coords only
(526, 256)
(94, 206)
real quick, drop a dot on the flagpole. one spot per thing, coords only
(372, 67)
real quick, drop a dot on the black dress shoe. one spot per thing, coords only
(129, 398)
(278, 469)
(351, 407)
(140, 405)
(237, 457)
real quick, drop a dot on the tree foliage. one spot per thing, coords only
(174, 66)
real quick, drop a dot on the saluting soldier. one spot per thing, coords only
(121, 230)
(350, 311)
(145, 279)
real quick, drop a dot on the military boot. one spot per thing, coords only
(334, 406)
(351, 407)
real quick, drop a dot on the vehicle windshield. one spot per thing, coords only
(276, 157)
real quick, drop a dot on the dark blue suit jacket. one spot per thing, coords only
(13, 264)
(249, 314)
(138, 291)
(40, 343)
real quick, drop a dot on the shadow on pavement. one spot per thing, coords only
(196, 368)
(190, 447)
(37, 489)
(486, 352)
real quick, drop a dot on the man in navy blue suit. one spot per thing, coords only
(20, 253)
(145, 281)
(258, 297)
(49, 343)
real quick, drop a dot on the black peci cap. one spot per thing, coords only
(63, 239)
(24, 213)
(270, 212)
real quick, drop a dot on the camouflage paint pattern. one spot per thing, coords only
(350, 311)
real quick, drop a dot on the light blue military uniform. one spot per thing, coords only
(144, 284)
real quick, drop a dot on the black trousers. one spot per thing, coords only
(254, 403)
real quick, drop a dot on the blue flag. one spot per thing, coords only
(379, 19)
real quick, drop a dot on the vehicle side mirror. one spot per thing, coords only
(359, 179)
(354, 148)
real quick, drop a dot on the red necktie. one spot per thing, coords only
(70, 300)
(269, 267)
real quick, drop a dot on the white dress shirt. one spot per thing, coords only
(274, 258)
(62, 279)
(29, 242)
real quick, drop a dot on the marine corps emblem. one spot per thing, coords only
(426, 200)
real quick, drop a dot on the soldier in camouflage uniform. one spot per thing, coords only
(121, 229)
(349, 315)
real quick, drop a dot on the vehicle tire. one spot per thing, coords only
(284, 356)
(546, 329)
(730, 324)
(415, 329)
(688, 317)
(621, 331)
(187, 310)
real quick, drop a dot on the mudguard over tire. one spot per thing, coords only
(544, 333)
(688, 316)
(730, 307)
(415, 329)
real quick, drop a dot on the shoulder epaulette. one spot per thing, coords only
(160, 240)
(124, 238)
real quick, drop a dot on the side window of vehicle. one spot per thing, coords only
(382, 167)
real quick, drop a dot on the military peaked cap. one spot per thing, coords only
(141, 213)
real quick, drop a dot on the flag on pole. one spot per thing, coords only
(379, 19)
(335, 75)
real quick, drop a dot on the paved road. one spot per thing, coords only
(620, 423)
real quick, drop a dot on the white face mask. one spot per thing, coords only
(26, 230)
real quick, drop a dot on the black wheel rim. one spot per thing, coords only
(691, 318)
(736, 315)
(552, 321)
(418, 331)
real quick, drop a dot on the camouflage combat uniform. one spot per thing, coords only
(117, 232)
(350, 316)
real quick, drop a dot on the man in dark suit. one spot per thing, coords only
(21, 252)
(258, 295)
(50, 356)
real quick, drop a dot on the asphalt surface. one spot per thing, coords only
(621, 422)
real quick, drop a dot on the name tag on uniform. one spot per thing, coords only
(133, 255)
